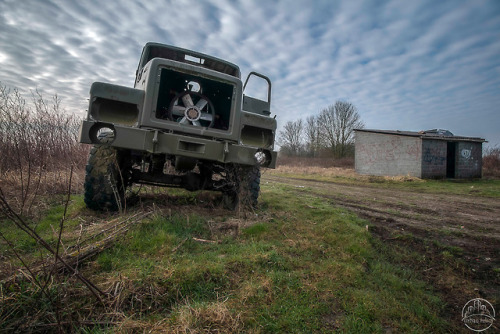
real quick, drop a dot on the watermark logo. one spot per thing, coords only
(478, 314)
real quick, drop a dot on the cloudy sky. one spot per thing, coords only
(405, 65)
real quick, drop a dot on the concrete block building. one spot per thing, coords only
(424, 154)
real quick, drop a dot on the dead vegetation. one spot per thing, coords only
(39, 146)
(321, 162)
(91, 240)
(327, 168)
(491, 163)
(42, 164)
(54, 277)
(212, 317)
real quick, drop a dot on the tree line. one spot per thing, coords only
(329, 133)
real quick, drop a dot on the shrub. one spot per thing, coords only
(491, 162)
(39, 145)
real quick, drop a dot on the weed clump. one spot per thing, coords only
(39, 144)
(491, 162)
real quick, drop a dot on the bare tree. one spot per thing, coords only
(327, 127)
(347, 119)
(337, 123)
(291, 137)
(333, 129)
(312, 133)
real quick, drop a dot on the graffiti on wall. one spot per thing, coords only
(466, 153)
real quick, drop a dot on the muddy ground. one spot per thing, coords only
(454, 240)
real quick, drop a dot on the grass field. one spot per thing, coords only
(307, 260)
(482, 187)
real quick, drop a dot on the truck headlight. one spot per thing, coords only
(102, 133)
(263, 157)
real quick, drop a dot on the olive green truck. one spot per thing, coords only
(186, 123)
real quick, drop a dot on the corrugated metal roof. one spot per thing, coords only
(435, 135)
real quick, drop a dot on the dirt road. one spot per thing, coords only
(463, 221)
(431, 225)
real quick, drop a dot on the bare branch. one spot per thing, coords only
(291, 137)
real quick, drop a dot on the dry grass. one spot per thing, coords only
(347, 162)
(491, 163)
(48, 182)
(338, 172)
(213, 317)
(39, 145)
(330, 168)
(44, 189)
(314, 170)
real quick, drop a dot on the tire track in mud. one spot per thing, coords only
(433, 223)
(468, 222)
(450, 215)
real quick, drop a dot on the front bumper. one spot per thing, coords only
(155, 141)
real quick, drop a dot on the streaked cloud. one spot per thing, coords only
(405, 65)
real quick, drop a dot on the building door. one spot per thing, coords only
(451, 159)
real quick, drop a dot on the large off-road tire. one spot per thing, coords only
(244, 193)
(106, 179)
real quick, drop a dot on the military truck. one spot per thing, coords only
(188, 122)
